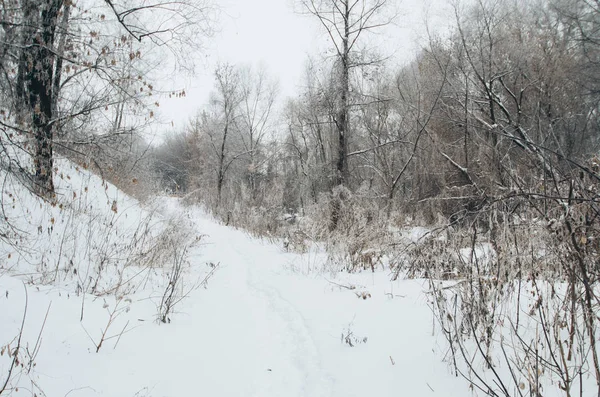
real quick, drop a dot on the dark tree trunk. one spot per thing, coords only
(221, 172)
(342, 119)
(36, 71)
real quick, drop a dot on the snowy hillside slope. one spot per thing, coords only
(93, 238)
(87, 254)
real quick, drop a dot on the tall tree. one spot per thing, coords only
(225, 101)
(345, 22)
(258, 94)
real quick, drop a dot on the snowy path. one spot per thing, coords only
(278, 333)
(268, 337)
(262, 328)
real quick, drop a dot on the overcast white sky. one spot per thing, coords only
(270, 32)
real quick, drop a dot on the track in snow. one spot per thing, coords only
(286, 361)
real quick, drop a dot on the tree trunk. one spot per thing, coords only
(37, 71)
(221, 172)
(342, 122)
(343, 113)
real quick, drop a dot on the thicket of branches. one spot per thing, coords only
(484, 117)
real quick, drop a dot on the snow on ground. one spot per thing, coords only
(91, 238)
(263, 326)
(308, 317)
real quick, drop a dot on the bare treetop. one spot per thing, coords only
(345, 21)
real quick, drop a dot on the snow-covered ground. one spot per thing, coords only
(263, 326)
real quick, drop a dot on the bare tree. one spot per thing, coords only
(258, 94)
(345, 22)
(225, 101)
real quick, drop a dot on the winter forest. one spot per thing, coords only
(420, 224)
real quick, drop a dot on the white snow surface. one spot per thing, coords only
(262, 326)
